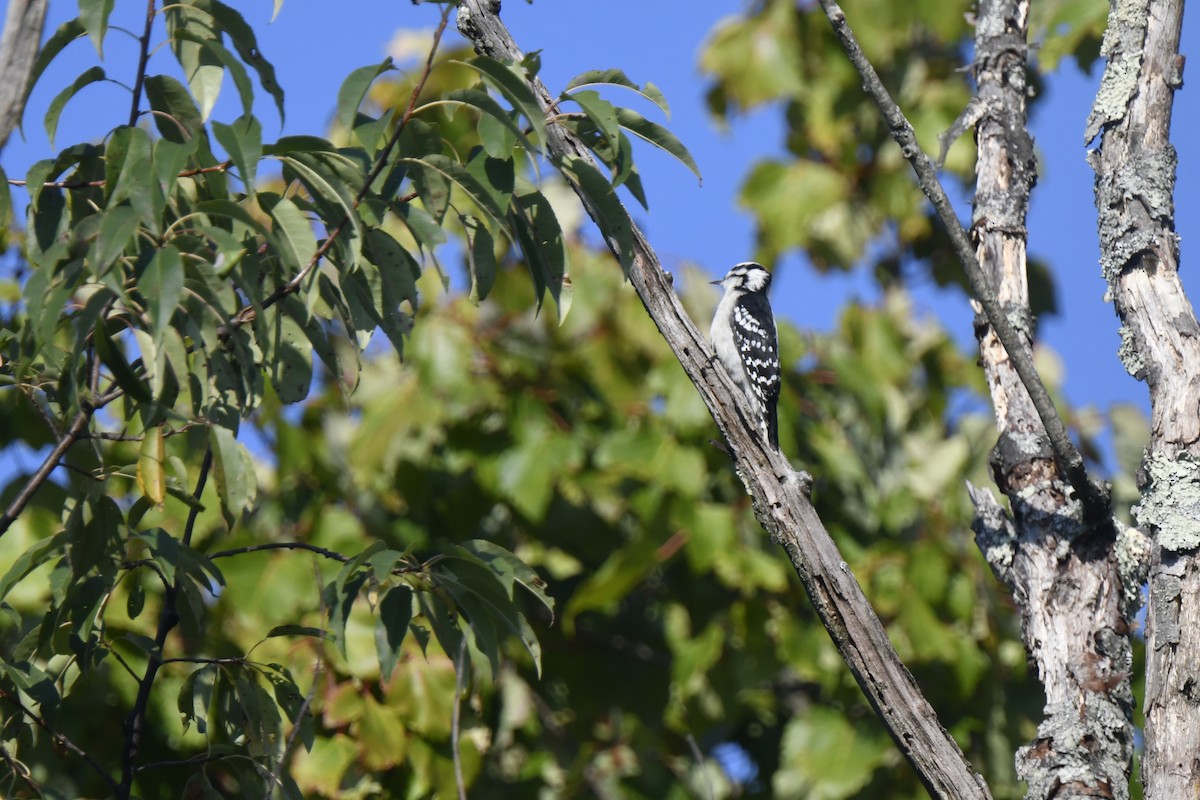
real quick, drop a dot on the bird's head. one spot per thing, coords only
(746, 277)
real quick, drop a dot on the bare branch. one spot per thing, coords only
(74, 432)
(143, 60)
(1095, 499)
(780, 502)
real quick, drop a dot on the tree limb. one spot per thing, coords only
(1139, 257)
(780, 502)
(75, 431)
(1064, 575)
(19, 43)
(1070, 462)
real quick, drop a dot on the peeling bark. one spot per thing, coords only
(1063, 572)
(1160, 344)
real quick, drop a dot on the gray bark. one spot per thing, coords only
(1135, 186)
(1063, 572)
(779, 493)
(19, 45)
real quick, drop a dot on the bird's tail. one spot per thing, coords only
(772, 424)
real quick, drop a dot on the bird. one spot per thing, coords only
(744, 336)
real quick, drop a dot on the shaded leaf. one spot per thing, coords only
(55, 109)
(354, 88)
(243, 141)
(656, 135)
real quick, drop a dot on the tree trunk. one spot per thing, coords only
(1062, 571)
(1135, 186)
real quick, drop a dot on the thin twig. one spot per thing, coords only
(456, 717)
(381, 160)
(76, 430)
(187, 173)
(1093, 498)
(60, 739)
(143, 60)
(19, 770)
(254, 548)
(190, 527)
(167, 620)
(696, 754)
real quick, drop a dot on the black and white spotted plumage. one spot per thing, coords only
(747, 344)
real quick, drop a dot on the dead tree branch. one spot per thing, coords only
(780, 501)
(1139, 257)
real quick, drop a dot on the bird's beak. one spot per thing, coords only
(717, 282)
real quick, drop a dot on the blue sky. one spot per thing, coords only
(313, 49)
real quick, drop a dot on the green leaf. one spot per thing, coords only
(497, 176)
(298, 245)
(656, 135)
(615, 77)
(440, 167)
(187, 29)
(510, 82)
(230, 468)
(129, 175)
(55, 109)
(243, 141)
(482, 260)
(151, 479)
(66, 33)
(604, 207)
(219, 53)
(178, 119)
(116, 230)
(136, 600)
(290, 363)
(5, 199)
(93, 16)
(599, 111)
(354, 89)
(544, 245)
(478, 591)
(113, 357)
(339, 601)
(498, 138)
(395, 613)
(335, 200)
(297, 630)
(246, 44)
(510, 569)
(37, 554)
(161, 284)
